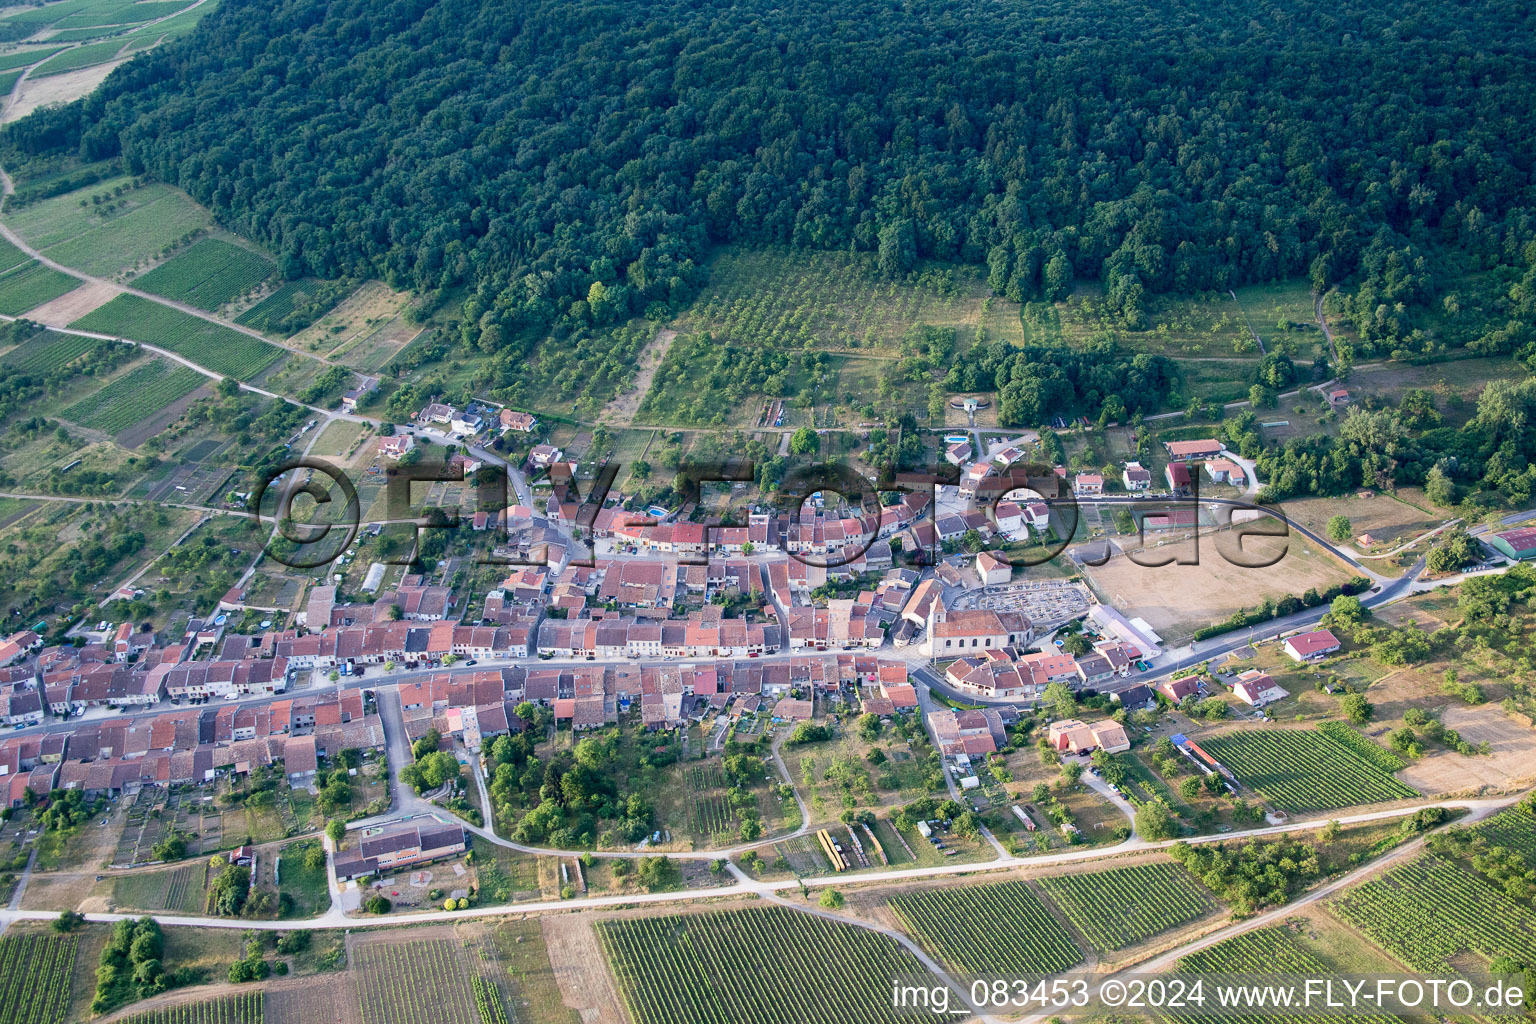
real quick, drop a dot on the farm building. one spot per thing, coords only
(1258, 688)
(1311, 646)
(1224, 471)
(1338, 398)
(1186, 451)
(401, 847)
(1517, 544)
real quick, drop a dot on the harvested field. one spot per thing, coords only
(1511, 761)
(73, 305)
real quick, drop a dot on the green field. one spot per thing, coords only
(1303, 770)
(1428, 912)
(767, 965)
(180, 889)
(110, 232)
(1121, 907)
(10, 256)
(797, 299)
(79, 57)
(242, 1008)
(137, 394)
(208, 344)
(31, 285)
(208, 274)
(48, 351)
(21, 58)
(1000, 929)
(307, 886)
(170, 28)
(1514, 829)
(35, 977)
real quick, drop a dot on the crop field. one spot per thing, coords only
(1298, 770)
(999, 929)
(1428, 911)
(31, 285)
(833, 300)
(766, 965)
(243, 1008)
(278, 305)
(80, 57)
(180, 889)
(208, 274)
(1121, 907)
(418, 982)
(139, 393)
(10, 256)
(49, 351)
(21, 58)
(205, 343)
(1266, 951)
(1514, 829)
(114, 229)
(35, 977)
(710, 809)
(1362, 747)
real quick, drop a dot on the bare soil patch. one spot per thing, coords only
(621, 410)
(145, 429)
(581, 970)
(53, 90)
(71, 306)
(1509, 764)
(1177, 599)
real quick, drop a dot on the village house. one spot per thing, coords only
(1258, 688)
(396, 445)
(1313, 646)
(1136, 477)
(992, 569)
(519, 422)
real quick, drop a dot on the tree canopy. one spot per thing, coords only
(575, 161)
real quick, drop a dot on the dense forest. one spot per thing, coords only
(572, 162)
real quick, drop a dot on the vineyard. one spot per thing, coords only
(1001, 929)
(35, 975)
(795, 300)
(1428, 911)
(46, 352)
(1266, 951)
(182, 889)
(1514, 829)
(139, 393)
(208, 344)
(765, 965)
(1121, 907)
(1298, 771)
(1362, 747)
(419, 982)
(244, 1008)
(31, 286)
(710, 808)
(488, 1002)
(208, 274)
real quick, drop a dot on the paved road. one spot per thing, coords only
(742, 883)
